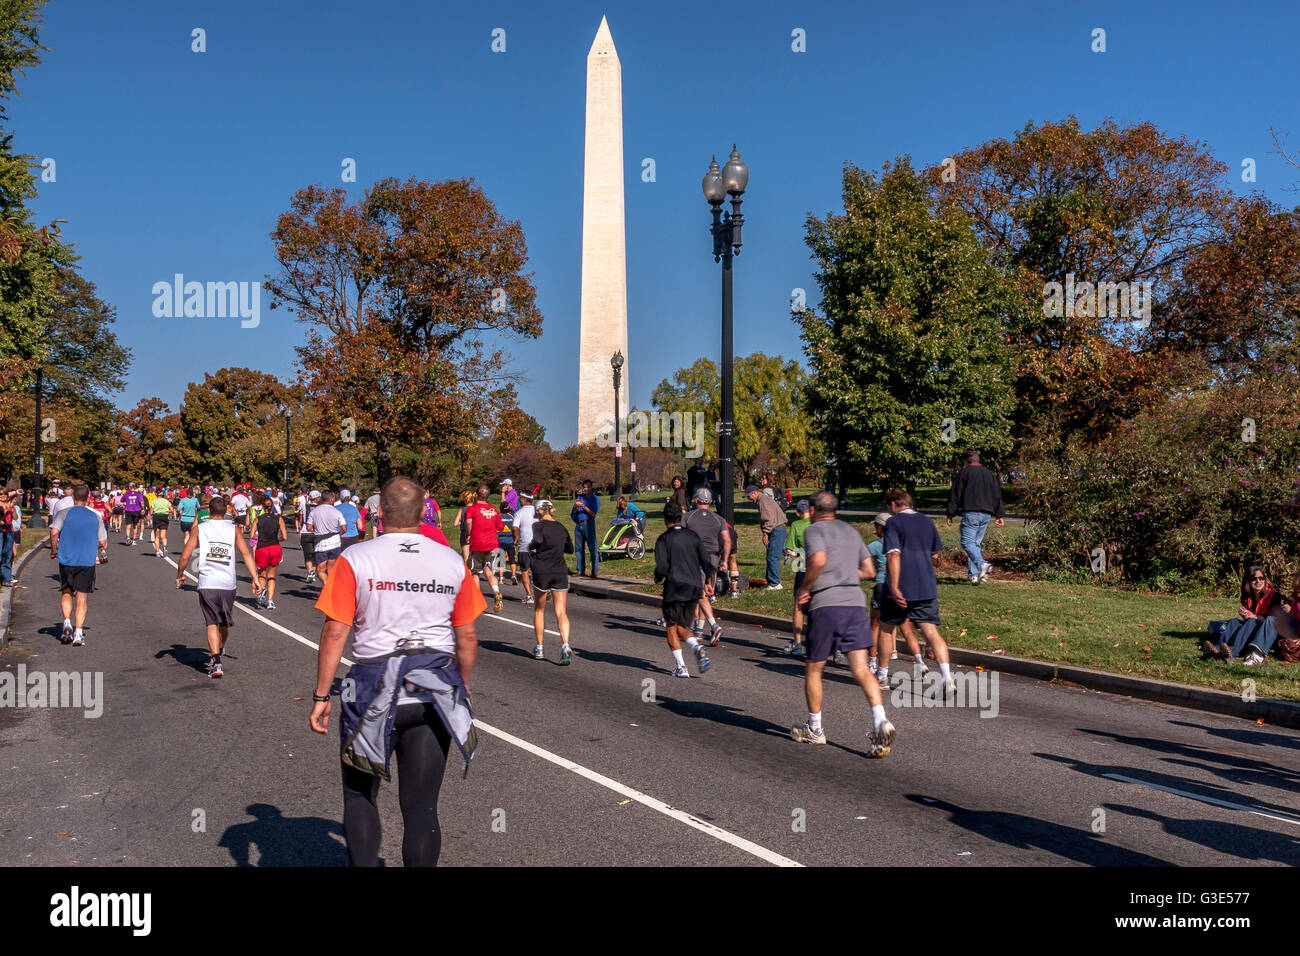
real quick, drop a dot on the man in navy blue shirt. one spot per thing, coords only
(911, 544)
(76, 535)
(584, 526)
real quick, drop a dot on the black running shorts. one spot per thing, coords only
(77, 578)
(681, 613)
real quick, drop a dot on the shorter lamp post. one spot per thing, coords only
(616, 363)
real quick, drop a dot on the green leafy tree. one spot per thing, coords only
(907, 356)
(28, 255)
(767, 402)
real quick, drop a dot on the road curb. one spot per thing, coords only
(7, 594)
(1279, 713)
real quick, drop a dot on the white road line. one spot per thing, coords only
(498, 617)
(726, 836)
(1204, 799)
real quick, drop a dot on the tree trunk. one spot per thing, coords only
(383, 459)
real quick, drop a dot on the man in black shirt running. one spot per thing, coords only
(680, 560)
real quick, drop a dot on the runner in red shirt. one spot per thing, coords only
(484, 522)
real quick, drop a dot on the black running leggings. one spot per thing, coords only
(421, 742)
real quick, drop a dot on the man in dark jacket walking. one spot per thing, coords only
(976, 495)
(680, 559)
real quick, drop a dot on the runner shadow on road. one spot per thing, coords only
(787, 666)
(1232, 839)
(620, 660)
(637, 625)
(721, 714)
(194, 657)
(1200, 788)
(506, 648)
(285, 841)
(1243, 736)
(1029, 833)
(1245, 766)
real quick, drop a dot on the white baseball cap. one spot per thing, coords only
(315, 495)
(507, 481)
(345, 494)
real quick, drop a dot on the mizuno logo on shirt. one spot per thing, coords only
(409, 547)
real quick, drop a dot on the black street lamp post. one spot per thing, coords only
(616, 363)
(35, 520)
(286, 450)
(730, 180)
(632, 445)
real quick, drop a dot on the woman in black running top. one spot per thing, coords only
(268, 532)
(551, 542)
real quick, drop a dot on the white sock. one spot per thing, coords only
(677, 656)
(945, 671)
(878, 715)
(565, 646)
(67, 622)
(698, 624)
(712, 623)
(882, 676)
(692, 642)
(815, 721)
(79, 634)
(496, 590)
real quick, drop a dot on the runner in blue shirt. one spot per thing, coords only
(76, 535)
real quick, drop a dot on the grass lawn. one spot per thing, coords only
(1126, 632)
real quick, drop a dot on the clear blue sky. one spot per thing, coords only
(173, 161)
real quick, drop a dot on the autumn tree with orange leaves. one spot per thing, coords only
(1112, 204)
(409, 295)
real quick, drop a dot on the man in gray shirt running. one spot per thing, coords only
(838, 561)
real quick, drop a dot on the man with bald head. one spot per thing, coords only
(413, 604)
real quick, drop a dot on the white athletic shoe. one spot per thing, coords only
(681, 671)
(806, 735)
(985, 571)
(539, 653)
(882, 740)
(78, 640)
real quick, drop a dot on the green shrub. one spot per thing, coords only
(1179, 497)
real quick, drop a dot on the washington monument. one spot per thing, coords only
(604, 260)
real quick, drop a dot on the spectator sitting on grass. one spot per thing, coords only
(1253, 628)
(1286, 624)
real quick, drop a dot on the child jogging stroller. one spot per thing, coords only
(625, 537)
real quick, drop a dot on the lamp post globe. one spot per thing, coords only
(735, 175)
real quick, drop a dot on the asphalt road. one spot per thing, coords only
(591, 765)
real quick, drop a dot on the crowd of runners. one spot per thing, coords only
(413, 617)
